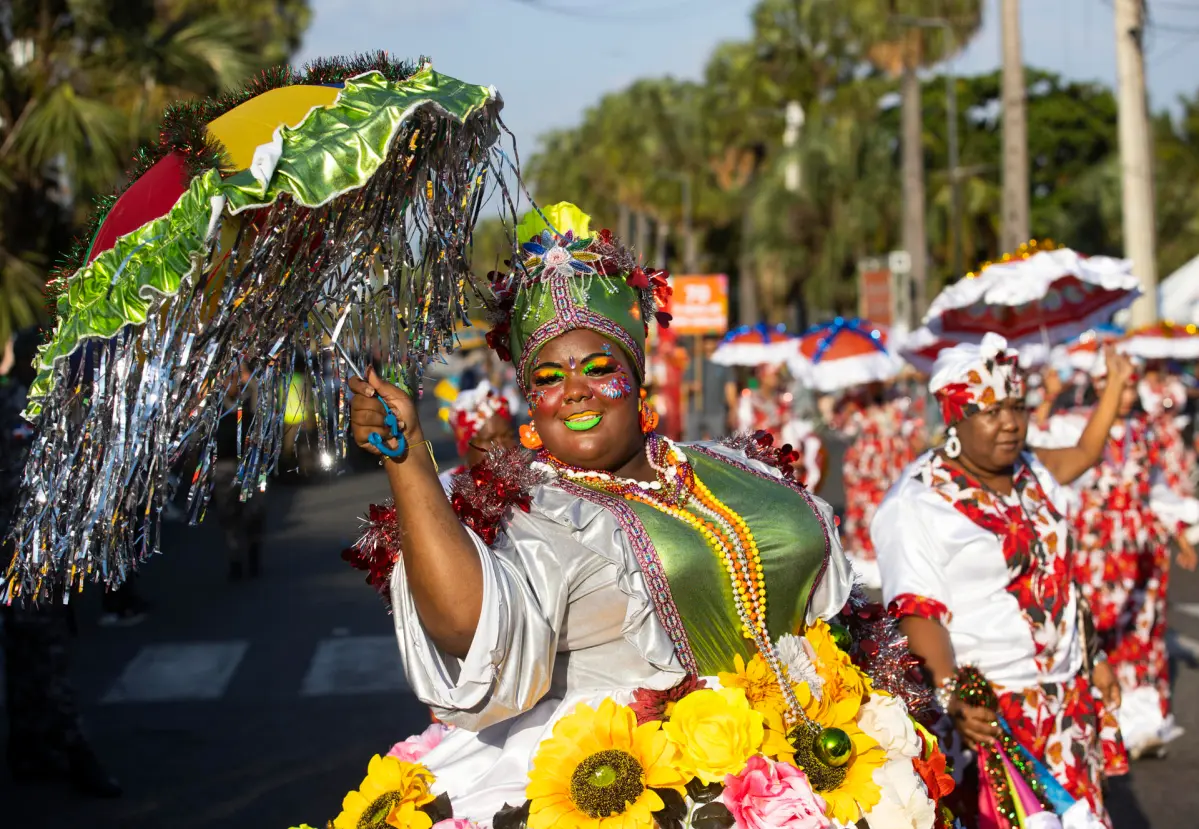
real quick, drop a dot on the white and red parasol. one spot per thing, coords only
(755, 345)
(1163, 341)
(842, 353)
(1036, 296)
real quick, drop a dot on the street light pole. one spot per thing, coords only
(951, 130)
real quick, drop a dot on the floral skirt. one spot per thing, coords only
(1127, 590)
(1066, 727)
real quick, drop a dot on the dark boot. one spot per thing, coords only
(88, 776)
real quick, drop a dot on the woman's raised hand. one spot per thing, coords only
(1119, 367)
(367, 415)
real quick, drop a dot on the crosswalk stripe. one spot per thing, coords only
(1189, 608)
(354, 665)
(178, 671)
(1181, 646)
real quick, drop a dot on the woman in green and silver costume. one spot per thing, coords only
(613, 560)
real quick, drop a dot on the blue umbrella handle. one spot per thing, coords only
(393, 425)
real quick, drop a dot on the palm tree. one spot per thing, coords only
(910, 38)
(81, 84)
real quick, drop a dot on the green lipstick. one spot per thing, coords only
(583, 422)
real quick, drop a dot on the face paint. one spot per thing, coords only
(617, 387)
(544, 380)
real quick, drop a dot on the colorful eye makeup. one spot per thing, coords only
(600, 366)
(609, 379)
(546, 376)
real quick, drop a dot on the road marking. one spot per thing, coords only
(1183, 647)
(178, 671)
(1189, 608)
(354, 665)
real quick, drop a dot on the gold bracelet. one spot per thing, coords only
(428, 444)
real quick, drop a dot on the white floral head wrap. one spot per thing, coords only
(472, 408)
(969, 378)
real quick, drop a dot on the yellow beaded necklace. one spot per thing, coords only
(679, 493)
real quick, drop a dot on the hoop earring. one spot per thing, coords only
(529, 438)
(649, 419)
(953, 444)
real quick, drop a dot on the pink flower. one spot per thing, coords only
(456, 823)
(418, 745)
(768, 795)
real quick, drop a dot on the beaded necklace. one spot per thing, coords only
(679, 493)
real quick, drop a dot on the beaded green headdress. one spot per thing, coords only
(566, 278)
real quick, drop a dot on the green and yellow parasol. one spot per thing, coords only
(328, 207)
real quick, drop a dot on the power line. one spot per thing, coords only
(1162, 54)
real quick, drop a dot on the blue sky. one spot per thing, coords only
(550, 66)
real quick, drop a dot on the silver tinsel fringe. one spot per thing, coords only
(386, 266)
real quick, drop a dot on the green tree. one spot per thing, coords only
(81, 82)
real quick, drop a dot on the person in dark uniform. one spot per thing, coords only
(242, 521)
(45, 736)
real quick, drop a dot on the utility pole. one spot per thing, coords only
(1015, 132)
(951, 132)
(1136, 158)
(915, 234)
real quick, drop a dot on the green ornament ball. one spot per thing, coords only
(841, 636)
(833, 747)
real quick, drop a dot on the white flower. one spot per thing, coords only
(800, 658)
(557, 255)
(904, 802)
(886, 720)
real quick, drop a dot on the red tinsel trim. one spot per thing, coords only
(759, 446)
(881, 652)
(482, 495)
(378, 548)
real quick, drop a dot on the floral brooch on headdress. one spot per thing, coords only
(549, 255)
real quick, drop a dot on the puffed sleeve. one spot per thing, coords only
(511, 659)
(911, 561)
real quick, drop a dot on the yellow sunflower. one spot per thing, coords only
(759, 683)
(389, 795)
(599, 768)
(834, 665)
(848, 791)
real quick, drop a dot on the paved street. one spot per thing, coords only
(258, 704)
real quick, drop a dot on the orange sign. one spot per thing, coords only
(700, 304)
(875, 301)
